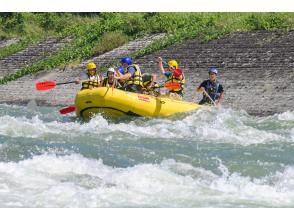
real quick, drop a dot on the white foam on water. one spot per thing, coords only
(225, 126)
(75, 181)
(218, 126)
(286, 116)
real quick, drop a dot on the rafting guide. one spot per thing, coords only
(213, 92)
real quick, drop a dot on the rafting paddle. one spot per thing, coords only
(209, 97)
(171, 85)
(68, 109)
(47, 85)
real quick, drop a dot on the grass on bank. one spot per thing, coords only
(97, 33)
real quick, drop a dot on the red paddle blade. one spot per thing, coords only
(172, 85)
(45, 85)
(68, 109)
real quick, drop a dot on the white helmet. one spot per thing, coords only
(111, 70)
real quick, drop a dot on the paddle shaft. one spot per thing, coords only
(209, 97)
(65, 83)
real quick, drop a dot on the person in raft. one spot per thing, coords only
(110, 81)
(211, 87)
(90, 79)
(150, 86)
(174, 74)
(132, 76)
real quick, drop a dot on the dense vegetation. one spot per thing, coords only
(96, 33)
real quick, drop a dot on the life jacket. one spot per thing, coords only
(182, 81)
(92, 82)
(136, 78)
(115, 83)
(146, 83)
(212, 90)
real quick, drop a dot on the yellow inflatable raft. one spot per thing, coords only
(115, 103)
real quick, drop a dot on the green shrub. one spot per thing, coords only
(268, 21)
(49, 21)
(12, 22)
(109, 41)
(96, 33)
(133, 24)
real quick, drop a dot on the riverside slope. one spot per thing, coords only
(257, 71)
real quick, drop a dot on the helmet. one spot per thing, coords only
(91, 66)
(213, 70)
(111, 70)
(173, 63)
(127, 60)
(121, 70)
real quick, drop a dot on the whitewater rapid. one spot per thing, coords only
(217, 158)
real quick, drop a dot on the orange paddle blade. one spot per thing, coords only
(172, 85)
(68, 109)
(45, 85)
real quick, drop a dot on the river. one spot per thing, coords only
(216, 158)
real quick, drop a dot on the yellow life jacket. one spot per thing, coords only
(136, 78)
(115, 84)
(182, 81)
(92, 82)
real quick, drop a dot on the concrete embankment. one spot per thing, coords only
(256, 70)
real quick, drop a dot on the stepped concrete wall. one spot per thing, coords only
(22, 91)
(256, 70)
(32, 54)
(8, 42)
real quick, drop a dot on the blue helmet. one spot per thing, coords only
(127, 60)
(213, 70)
(121, 70)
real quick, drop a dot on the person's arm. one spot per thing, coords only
(117, 73)
(160, 64)
(201, 88)
(222, 95)
(128, 75)
(82, 77)
(123, 77)
(153, 80)
(221, 99)
(100, 78)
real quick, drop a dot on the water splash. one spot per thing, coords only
(75, 181)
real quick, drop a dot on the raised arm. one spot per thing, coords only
(160, 65)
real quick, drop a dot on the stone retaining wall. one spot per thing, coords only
(256, 70)
(33, 53)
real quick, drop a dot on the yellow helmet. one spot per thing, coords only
(173, 63)
(91, 66)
